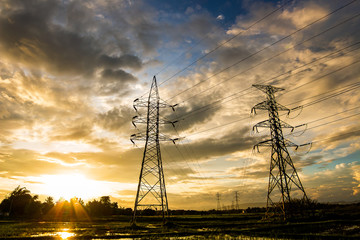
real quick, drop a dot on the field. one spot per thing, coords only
(211, 226)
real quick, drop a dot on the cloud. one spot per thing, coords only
(41, 40)
(334, 139)
(356, 176)
(333, 185)
(115, 82)
(117, 119)
(220, 17)
(70, 70)
(123, 61)
(73, 133)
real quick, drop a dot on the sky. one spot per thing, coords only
(70, 70)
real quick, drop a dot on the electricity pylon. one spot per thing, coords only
(237, 207)
(218, 207)
(151, 191)
(283, 175)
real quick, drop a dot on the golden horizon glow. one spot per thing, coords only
(68, 186)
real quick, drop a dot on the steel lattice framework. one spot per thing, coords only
(283, 175)
(151, 191)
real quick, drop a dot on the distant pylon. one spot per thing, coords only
(236, 201)
(218, 207)
(151, 191)
(283, 175)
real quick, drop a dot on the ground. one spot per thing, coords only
(325, 225)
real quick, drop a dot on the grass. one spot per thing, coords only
(226, 226)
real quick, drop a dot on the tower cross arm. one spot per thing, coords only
(142, 102)
(282, 108)
(268, 88)
(260, 106)
(142, 137)
(138, 137)
(265, 105)
(139, 119)
(267, 124)
(266, 143)
(289, 143)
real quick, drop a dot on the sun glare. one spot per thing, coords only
(65, 234)
(68, 186)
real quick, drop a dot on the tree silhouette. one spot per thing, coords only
(103, 207)
(47, 205)
(20, 203)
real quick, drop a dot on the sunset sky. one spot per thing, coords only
(70, 70)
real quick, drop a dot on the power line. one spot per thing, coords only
(217, 84)
(245, 118)
(349, 46)
(228, 40)
(188, 151)
(335, 114)
(327, 123)
(277, 41)
(337, 136)
(185, 52)
(337, 120)
(345, 89)
(219, 101)
(321, 77)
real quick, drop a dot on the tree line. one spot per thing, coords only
(21, 204)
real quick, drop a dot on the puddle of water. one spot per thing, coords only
(201, 237)
(115, 239)
(117, 234)
(64, 234)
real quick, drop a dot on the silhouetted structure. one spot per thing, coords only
(218, 207)
(151, 192)
(21, 204)
(283, 175)
(237, 200)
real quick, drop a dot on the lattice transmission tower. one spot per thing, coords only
(283, 176)
(218, 205)
(151, 191)
(237, 207)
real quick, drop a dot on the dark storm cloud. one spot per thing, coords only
(305, 161)
(115, 82)
(191, 115)
(32, 35)
(123, 61)
(344, 134)
(198, 110)
(230, 142)
(30, 39)
(116, 75)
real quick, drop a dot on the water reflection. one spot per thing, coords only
(65, 234)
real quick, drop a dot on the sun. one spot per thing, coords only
(68, 186)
